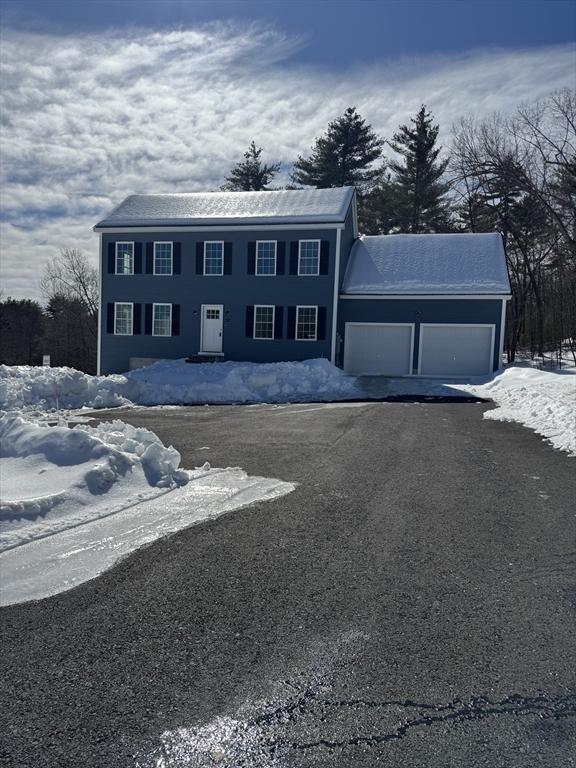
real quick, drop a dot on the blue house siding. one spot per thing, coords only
(458, 311)
(235, 291)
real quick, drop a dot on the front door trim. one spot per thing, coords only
(203, 309)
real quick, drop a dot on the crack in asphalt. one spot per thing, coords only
(478, 708)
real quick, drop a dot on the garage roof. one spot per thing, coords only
(294, 206)
(427, 264)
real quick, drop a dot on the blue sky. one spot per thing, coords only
(338, 32)
(101, 99)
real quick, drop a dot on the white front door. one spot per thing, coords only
(211, 332)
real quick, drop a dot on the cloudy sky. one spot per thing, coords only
(102, 99)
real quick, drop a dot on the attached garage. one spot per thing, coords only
(424, 305)
(384, 349)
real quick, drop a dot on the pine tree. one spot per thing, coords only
(343, 156)
(419, 203)
(251, 175)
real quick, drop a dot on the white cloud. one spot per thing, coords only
(90, 119)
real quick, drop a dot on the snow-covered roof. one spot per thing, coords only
(294, 206)
(427, 264)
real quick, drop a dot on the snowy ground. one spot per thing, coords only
(75, 500)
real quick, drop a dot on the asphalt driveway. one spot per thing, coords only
(411, 603)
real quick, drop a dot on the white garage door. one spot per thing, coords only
(456, 350)
(383, 349)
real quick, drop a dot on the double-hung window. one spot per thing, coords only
(306, 323)
(309, 257)
(266, 257)
(124, 258)
(123, 319)
(162, 320)
(264, 322)
(162, 258)
(214, 257)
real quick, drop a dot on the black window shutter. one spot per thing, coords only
(111, 258)
(294, 257)
(324, 251)
(280, 257)
(250, 322)
(137, 258)
(175, 319)
(200, 258)
(278, 322)
(227, 258)
(251, 258)
(148, 319)
(137, 318)
(291, 329)
(149, 258)
(110, 317)
(176, 258)
(321, 326)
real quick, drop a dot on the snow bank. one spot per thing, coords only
(23, 386)
(544, 401)
(55, 478)
(175, 382)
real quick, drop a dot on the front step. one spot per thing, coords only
(205, 359)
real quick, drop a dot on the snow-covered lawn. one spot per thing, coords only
(76, 500)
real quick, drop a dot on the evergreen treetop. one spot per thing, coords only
(419, 204)
(250, 175)
(343, 156)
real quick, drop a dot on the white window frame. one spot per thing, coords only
(264, 338)
(213, 274)
(163, 242)
(306, 306)
(124, 304)
(126, 274)
(308, 274)
(266, 274)
(161, 304)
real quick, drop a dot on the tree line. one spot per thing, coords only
(513, 174)
(66, 327)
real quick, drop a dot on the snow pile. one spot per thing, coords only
(23, 386)
(54, 478)
(541, 400)
(175, 382)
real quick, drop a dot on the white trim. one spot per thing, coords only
(412, 327)
(264, 338)
(202, 308)
(124, 304)
(100, 318)
(222, 227)
(306, 306)
(213, 274)
(502, 329)
(266, 274)
(335, 296)
(355, 214)
(311, 240)
(492, 326)
(161, 304)
(163, 242)
(426, 296)
(123, 242)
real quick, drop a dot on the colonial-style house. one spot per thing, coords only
(284, 275)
